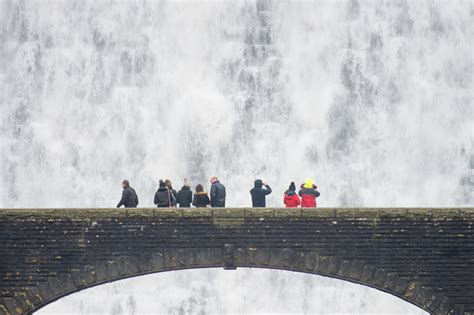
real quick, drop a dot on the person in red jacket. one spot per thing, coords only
(291, 199)
(308, 194)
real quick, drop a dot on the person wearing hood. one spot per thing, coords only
(185, 196)
(201, 199)
(308, 194)
(218, 193)
(258, 193)
(129, 196)
(174, 192)
(164, 197)
(291, 199)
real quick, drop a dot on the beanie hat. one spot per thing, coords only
(292, 187)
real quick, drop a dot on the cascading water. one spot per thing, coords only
(371, 98)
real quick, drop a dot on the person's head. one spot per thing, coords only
(258, 183)
(199, 188)
(292, 187)
(214, 179)
(162, 184)
(309, 183)
(168, 183)
(125, 183)
(185, 182)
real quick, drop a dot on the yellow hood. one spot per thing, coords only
(308, 183)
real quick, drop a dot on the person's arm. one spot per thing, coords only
(298, 201)
(124, 198)
(316, 193)
(208, 202)
(213, 192)
(194, 201)
(156, 200)
(173, 199)
(190, 197)
(136, 197)
(268, 191)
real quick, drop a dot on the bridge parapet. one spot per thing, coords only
(424, 256)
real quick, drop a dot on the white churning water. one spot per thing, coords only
(373, 99)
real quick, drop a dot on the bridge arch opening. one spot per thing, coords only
(246, 290)
(286, 259)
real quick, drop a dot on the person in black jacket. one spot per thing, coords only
(185, 196)
(164, 197)
(258, 193)
(129, 196)
(217, 193)
(174, 192)
(201, 200)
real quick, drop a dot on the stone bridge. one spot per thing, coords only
(423, 256)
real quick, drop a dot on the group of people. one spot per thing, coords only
(166, 196)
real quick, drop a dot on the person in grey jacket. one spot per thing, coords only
(129, 196)
(217, 193)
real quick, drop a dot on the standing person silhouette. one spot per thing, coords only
(129, 196)
(259, 193)
(308, 194)
(218, 193)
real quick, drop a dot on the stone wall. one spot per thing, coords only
(424, 256)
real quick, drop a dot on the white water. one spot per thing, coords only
(373, 99)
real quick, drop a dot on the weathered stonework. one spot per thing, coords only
(424, 256)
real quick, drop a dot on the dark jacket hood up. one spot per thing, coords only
(258, 183)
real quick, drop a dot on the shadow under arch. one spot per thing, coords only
(304, 261)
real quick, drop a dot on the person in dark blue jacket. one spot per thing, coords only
(218, 193)
(259, 193)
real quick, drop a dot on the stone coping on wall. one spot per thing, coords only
(91, 213)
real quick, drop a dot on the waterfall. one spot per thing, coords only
(372, 99)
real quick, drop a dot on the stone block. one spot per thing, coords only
(197, 213)
(310, 261)
(262, 256)
(228, 213)
(318, 213)
(368, 274)
(157, 261)
(445, 214)
(140, 213)
(419, 213)
(187, 257)
(168, 213)
(392, 213)
(258, 213)
(379, 277)
(288, 213)
(171, 258)
(467, 213)
(357, 213)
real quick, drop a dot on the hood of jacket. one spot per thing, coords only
(290, 193)
(185, 188)
(308, 183)
(200, 193)
(162, 189)
(258, 183)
